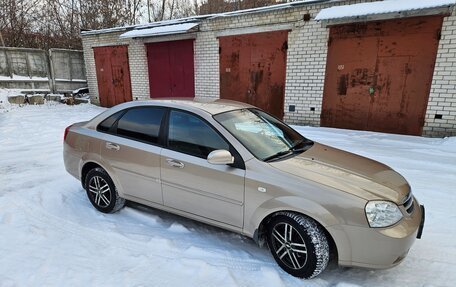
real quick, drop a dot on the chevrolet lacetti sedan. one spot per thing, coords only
(234, 166)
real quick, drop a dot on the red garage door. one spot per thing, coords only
(379, 74)
(252, 69)
(171, 69)
(113, 75)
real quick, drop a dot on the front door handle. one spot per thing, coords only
(174, 163)
(112, 146)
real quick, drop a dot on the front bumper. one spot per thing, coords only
(379, 248)
(420, 229)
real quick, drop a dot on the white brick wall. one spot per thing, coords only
(442, 99)
(139, 73)
(306, 63)
(207, 81)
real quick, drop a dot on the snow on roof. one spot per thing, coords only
(192, 19)
(380, 7)
(23, 78)
(174, 21)
(160, 30)
(107, 30)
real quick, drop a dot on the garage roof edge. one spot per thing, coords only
(388, 8)
(160, 30)
(193, 19)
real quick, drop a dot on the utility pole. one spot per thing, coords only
(1, 39)
(148, 9)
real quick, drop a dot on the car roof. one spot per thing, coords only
(209, 105)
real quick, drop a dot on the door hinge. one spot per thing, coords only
(220, 50)
(439, 35)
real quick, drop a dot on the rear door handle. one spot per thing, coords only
(174, 163)
(112, 146)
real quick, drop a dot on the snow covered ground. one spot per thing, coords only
(50, 235)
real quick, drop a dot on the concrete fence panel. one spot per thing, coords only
(68, 69)
(25, 69)
(35, 70)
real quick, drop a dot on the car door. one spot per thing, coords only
(189, 182)
(131, 147)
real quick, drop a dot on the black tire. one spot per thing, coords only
(102, 192)
(306, 254)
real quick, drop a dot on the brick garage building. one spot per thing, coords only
(339, 71)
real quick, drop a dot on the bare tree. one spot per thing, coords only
(215, 6)
(17, 18)
(133, 11)
(157, 9)
(57, 23)
(219, 6)
(171, 9)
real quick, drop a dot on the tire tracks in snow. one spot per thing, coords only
(98, 237)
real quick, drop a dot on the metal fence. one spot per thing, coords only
(34, 70)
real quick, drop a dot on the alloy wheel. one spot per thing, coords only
(289, 246)
(100, 191)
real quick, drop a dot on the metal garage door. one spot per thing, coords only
(171, 69)
(113, 75)
(252, 69)
(379, 74)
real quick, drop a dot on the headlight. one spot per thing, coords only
(382, 213)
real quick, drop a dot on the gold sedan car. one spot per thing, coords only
(234, 166)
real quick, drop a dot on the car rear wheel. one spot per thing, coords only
(102, 192)
(298, 244)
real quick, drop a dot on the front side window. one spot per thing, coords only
(191, 135)
(264, 136)
(141, 124)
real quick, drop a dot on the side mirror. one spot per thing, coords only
(220, 156)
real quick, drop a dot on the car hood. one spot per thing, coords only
(348, 172)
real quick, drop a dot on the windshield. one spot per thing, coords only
(264, 136)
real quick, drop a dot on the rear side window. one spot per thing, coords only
(191, 135)
(141, 124)
(106, 125)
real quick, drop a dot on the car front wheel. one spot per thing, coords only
(298, 244)
(102, 192)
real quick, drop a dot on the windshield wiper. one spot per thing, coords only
(305, 145)
(291, 150)
(278, 155)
